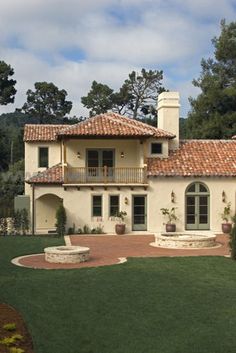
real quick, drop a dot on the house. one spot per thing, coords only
(110, 163)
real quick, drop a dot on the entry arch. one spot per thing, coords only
(45, 215)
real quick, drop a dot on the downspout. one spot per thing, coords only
(33, 210)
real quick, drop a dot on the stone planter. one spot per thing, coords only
(226, 228)
(170, 227)
(120, 229)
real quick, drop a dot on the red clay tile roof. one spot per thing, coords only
(51, 175)
(37, 132)
(197, 158)
(108, 124)
(112, 124)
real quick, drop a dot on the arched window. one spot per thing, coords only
(197, 198)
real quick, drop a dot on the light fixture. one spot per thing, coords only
(122, 154)
(223, 196)
(126, 201)
(172, 196)
(78, 154)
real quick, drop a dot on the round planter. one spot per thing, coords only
(120, 229)
(226, 228)
(170, 228)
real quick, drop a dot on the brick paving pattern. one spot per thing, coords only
(107, 249)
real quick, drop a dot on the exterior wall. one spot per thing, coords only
(31, 156)
(132, 150)
(78, 202)
(165, 148)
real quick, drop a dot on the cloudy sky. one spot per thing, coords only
(73, 42)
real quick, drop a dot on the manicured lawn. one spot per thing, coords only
(158, 305)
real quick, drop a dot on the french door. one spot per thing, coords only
(197, 207)
(139, 212)
(100, 164)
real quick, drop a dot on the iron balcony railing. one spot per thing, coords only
(105, 175)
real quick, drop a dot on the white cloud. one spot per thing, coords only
(114, 36)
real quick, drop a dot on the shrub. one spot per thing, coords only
(232, 242)
(71, 230)
(16, 350)
(61, 221)
(10, 327)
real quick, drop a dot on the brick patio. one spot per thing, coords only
(107, 249)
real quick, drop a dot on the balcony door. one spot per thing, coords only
(197, 207)
(139, 212)
(100, 164)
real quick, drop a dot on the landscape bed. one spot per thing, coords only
(154, 305)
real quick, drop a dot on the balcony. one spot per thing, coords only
(105, 175)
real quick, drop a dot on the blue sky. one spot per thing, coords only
(73, 42)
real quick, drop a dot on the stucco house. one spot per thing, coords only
(110, 163)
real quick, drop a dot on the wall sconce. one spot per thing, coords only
(122, 154)
(126, 201)
(223, 196)
(78, 155)
(172, 196)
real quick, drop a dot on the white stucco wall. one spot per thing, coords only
(132, 150)
(32, 154)
(78, 202)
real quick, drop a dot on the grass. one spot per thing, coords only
(162, 305)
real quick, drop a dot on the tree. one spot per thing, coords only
(213, 112)
(99, 99)
(61, 220)
(7, 89)
(47, 102)
(136, 98)
(144, 89)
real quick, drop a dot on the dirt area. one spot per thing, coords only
(9, 315)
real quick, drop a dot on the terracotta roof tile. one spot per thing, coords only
(51, 175)
(44, 132)
(197, 158)
(108, 124)
(112, 124)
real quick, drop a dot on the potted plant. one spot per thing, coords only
(226, 216)
(171, 216)
(120, 227)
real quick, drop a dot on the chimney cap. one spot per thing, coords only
(168, 99)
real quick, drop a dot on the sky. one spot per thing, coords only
(73, 42)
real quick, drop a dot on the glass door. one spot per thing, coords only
(197, 207)
(100, 164)
(139, 212)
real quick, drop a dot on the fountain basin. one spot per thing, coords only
(185, 240)
(66, 254)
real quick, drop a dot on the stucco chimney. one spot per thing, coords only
(168, 115)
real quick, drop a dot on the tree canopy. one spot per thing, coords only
(136, 98)
(7, 84)
(213, 113)
(47, 102)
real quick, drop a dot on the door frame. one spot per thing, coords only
(197, 194)
(144, 228)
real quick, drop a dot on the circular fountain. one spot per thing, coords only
(185, 240)
(66, 254)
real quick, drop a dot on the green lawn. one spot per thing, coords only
(162, 305)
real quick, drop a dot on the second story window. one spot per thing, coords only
(114, 206)
(156, 148)
(43, 157)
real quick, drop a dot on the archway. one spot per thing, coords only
(45, 215)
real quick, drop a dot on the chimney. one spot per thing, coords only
(168, 115)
